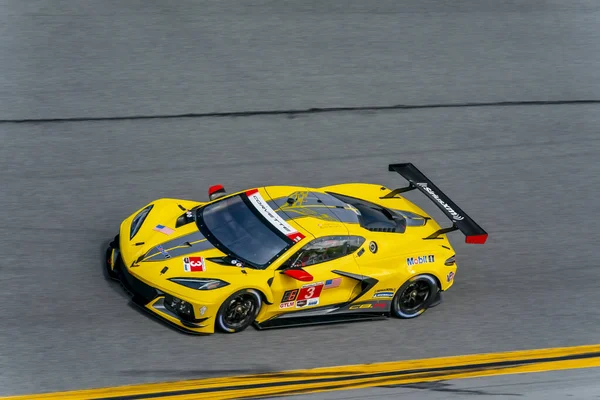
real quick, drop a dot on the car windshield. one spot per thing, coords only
(236, 226)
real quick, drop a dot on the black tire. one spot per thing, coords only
(238, 311)
(414, 297)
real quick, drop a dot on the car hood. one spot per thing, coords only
(208, 263)
(166, 234)
(178, 245)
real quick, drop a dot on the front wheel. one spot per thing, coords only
(413, 298)
(238, 311)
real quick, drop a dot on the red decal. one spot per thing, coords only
(477, 239)
(251, 192)
(215, 188)
(193, 264)
(296, 237)
(310, 292)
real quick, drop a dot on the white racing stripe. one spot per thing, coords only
(261, 205)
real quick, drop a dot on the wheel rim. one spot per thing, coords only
(415, 296)
(239, 311)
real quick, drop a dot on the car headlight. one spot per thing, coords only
(138, 220)
(200, 284)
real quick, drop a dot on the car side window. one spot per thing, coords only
(324, 249)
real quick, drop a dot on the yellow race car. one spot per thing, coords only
(280, 256)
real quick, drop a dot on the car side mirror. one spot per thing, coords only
(298, 274)
(216, 191)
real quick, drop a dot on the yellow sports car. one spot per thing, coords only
(279, 256)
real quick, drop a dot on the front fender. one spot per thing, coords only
(266, 293)
(255, 283)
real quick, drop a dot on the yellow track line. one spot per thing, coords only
(347, 377)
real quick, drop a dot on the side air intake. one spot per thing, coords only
(382, 229)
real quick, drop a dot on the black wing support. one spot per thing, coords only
(460, 220)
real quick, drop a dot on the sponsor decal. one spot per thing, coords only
(290, 295)
(301, 303)
(384, 293)
(310, 291)
(163, 252)
(332, 283)
(456, 216)
(261, 205)
(287, 304)
(202, 310)
(194, 264)
(307, 303)
(373, 247)
(307, 295)
(327, 226)
(163, 229)
(365, 306)
(420, 260)
(450, 276)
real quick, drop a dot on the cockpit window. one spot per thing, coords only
(236, 228)
(324, 249)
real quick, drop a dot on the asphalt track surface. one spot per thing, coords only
(529, 174)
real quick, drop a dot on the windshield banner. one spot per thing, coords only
(261, 205)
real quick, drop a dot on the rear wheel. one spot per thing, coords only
(413, 298)
(238, 311)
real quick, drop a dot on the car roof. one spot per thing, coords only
(310, 210)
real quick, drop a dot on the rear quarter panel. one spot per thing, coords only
(394, 258)
(372, 193)
(391, 263)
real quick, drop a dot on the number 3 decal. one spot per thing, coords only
(310, 292)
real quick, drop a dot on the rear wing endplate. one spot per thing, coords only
(460, 220)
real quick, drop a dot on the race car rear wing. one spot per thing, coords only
(460, 220)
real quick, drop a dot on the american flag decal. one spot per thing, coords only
(163, 229)
(332, 283)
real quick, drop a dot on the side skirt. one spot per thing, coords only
(359, 311)
(317, 320)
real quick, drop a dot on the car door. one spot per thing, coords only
(322, 273)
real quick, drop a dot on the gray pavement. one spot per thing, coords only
(530, 175)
